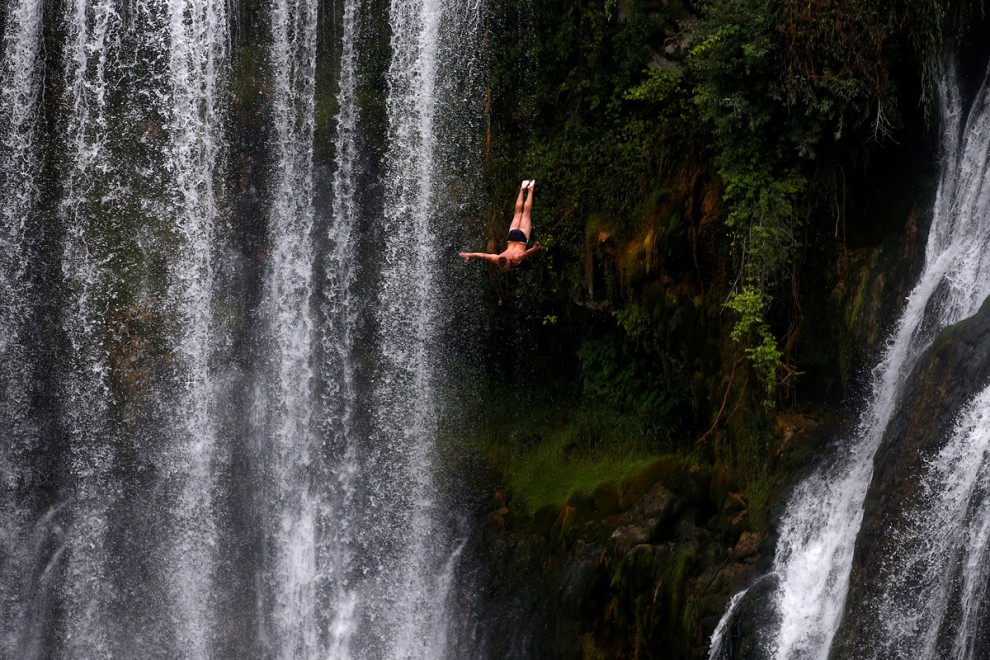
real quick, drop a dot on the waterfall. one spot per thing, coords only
(357, 513)
(86, 384)
(20, 84)
(929, 601)
(143, 85)
(217, 446)
(285, 390)
(930, 605)
(410, 595)
(338, 340)
(819, 526)
(197, 59)
(407, 401)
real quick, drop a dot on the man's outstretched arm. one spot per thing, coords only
(536, 246)
(479, 255)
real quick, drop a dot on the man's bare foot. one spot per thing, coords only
(531, 184)
(525, 184)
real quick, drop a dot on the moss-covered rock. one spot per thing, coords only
(649, 580)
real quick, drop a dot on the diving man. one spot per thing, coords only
(515, 250)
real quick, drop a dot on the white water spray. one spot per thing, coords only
(92, 31)
(413, 594)
(287, 392)
(20, 85)
(173, 384)
(338, 343)
(407, 407)
(929, 603)
(198, 38)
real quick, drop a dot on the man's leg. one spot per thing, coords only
(526, 222)
(517, 218)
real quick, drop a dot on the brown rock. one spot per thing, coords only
(626, 537)
(747, 548)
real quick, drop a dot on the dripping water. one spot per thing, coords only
(90, 40)
(20, 88)
(338, 341)
(197, 31)
(285, 390)
(928, 600)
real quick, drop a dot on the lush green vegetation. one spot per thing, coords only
(692, 164)
(613, 141)
(606, 101)
(790, 92)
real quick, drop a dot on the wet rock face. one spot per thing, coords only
(648, 579)
(868, 295)
(646, 521)
(954, 369)
(750, 631)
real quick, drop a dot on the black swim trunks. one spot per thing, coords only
(517, 236)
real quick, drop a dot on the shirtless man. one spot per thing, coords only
(515, 250)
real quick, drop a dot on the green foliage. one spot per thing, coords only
(582, 170)
(574, 106)
(786, 87)
(776, 96)
(746, 463)
(669, 94)
(757, 499)
(752, 331)
(613, 374)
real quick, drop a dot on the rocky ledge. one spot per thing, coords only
(644, 574)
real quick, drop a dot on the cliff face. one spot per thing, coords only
(637, 575)
(612, 351)
(643, 564)
(624, 468)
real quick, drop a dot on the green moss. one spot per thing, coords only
(564, 448)
(689, 614)
(570, 460)
(677, 571)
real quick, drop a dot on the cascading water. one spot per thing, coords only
(228, 471)
(930, 603)
(197, 61)
(86, 587)
(338, 343)
(398, 597)
(819, 527)
(405, 389)
(136, 200)
(285, 397)
(929, 591)
(20, 87)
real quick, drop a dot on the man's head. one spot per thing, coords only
(503, 263)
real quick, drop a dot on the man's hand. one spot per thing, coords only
(476, 255)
